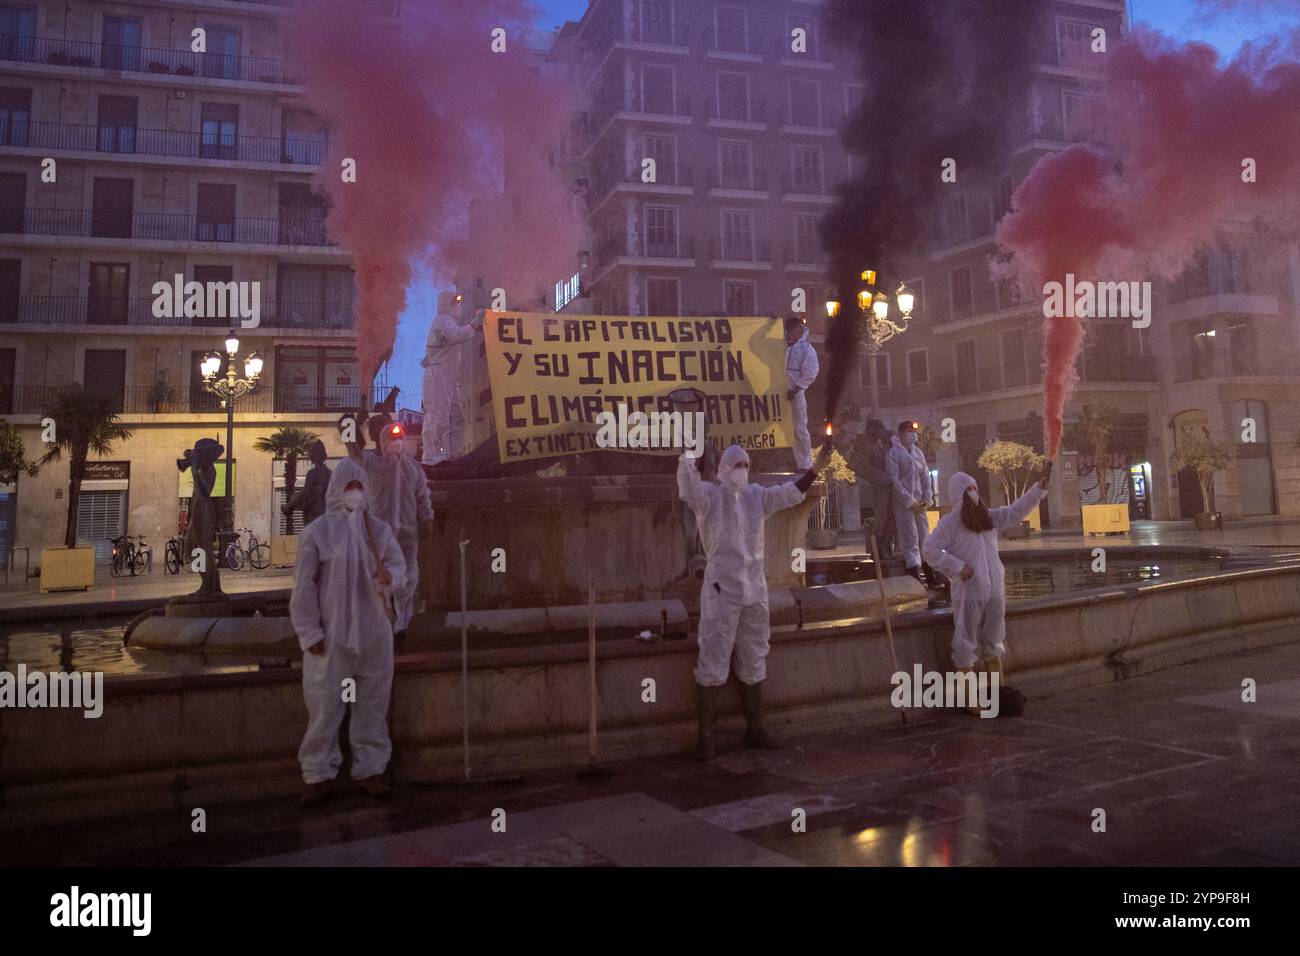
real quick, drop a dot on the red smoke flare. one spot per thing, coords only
(431, 116)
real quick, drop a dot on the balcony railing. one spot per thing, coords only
(175, 227)
(738, 178)
(781, 50)
(803, 184)
(1118, 368)
(139, 311)
(651, 31)
(1198, 366)
(740, 250)
(737, 110)
(603, 183)
(727, 41)
(825, 116)
(680, 247)
(142, 59)
(805, 252)
(107, 138)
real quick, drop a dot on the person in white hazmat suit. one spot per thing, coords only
(444, 418)
(734, 619)
(908, 471)
(801, 368)
(348, 566)
(399, 496)
(964, 546)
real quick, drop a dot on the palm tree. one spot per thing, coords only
(1094, 431)
(290, 443)
(84, 421)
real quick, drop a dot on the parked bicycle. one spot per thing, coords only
(254, 553)
(131, 555)
(174, 556)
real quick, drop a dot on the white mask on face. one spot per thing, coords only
(738, 477)
(354, 499)
(973, 495)
(395, 447)
(910, 438)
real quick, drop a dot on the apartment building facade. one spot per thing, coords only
(128, 159)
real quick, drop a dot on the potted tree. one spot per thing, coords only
(1207, 458)
(162, 396)
(1094, 432)
(928, 440)
(13, 461)
(1016, 466)
(288, 443)
(824, 522)
(84, 421)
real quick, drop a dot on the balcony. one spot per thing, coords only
(731, 45)
(674, 110)
(740, 252)
(677, 251)
(137, 312)
(785, 56)
(1205, 366)
(678, 179)
(1117, 368)
(656, 32)
(824, 120)
(127, 140)
(807, 187)
(736, 113)
(808, 256)
(174, 227)
(55, 51)
(735, 179)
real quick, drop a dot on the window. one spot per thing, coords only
(104, 374)
(116, 125)
(656, 21)
(964, 353)
(215, 221)
(201, 400)
(807, 242)
(737, 235)
(1007, 293)
(204, 275)
(806, 169)
(100, 515)
(1076, 111)
(917, 288)
(222, 58)
(219, 127)
(303, 138)
(121, 43)
(315, 380)
(1015, 370)
(314, 297)
(737, 164)
(962, 293)
(1074, 43)
(663, 150)
(302, 215)
(15, 115)
(806, 24)
(731, 29)
(1242, 347)
(661, 231)
(8, 363)
(17, 33)
(882, 367)
(739, 298)
(733, 97)
(13, 201)
(918, 367)
(805, 103)
(1002, 198)
(854, 93)
(662, 297)
(108, 299)
(112, 205)
(954, 219)
(10, 275)
(657, 89)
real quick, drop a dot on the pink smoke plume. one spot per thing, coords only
(432, 116)
(1178, 125)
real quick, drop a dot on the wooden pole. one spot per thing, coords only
(884, 607)
(464, 652)
(591, 661)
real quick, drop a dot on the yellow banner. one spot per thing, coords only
(552, 375)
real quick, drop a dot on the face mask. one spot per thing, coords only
(395, 447)
(974, 496)
(738, 477)
(910, 438)
(354, 499)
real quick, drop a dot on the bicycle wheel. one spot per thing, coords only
(260, 557)
(172, 562)
(138, 562)
(235, 557)
(119, 564)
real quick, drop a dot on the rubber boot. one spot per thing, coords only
(972, 707)
(707, 708)
(916, 573)
(751, 701)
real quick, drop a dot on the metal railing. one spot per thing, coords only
(130, 140)
(733, 178)
(805, 252)
(736, 110)
(175, 227)
(727, 41)
(803, 184)
(822, 116)
(1192, 367)
(604, 181)
(139, 311)
(56, 51)
(194, 399)
(740, 250)
(679, 248)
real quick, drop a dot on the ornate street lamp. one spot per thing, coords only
(228, 388)
(877, 327)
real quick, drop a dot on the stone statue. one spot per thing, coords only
(444, 419)
(201, 530)
(311, 497)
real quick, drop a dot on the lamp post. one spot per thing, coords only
(877, 326)
(228, 388)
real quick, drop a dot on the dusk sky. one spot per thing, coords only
(1184, 19)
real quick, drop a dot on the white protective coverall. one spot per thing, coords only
(906, 468)
(978, 605)
(399, 496)
(444, 419)
(336, 599)
(733, 601)
(801, 368)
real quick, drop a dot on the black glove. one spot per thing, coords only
(806, 480)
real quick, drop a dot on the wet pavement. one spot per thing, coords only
(1186, 773)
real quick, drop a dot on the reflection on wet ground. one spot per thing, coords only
(1187, 773)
